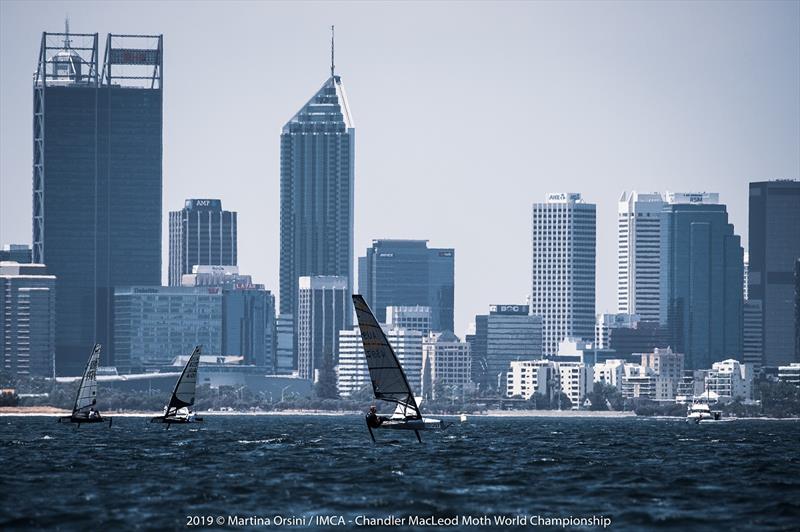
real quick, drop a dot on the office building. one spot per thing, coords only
(353, 373)
(97, 181)
(506, 334)
(324, 308)
(774, 247)
(317, 179)
(19, 253)
(154, 324)
(606, 322)
(638, 257)
(745, 293)
(27, 319)
(285, 362)
(563, 280)
(446, 366)
(666, 364)
(753, 333)
(701, 279)
(415, 318)
(408, 273)
(200, 234)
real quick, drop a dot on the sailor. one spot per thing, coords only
(373, 419)
(93, 413)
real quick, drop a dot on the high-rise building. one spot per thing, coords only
(200, 234)
(285, 362)
(27, 319)
(701, 279)
(317, 179)
(20, 253)
(607, 322)
(506, 334)
(746, 275)
(752, 333)
(155, 324)
(248, 314)
(416, 318)
(324, 308)
(407, 272)
(97, 182)
(638, 254)
(446, 366)
(774, 246)
(627, 335)
(563, 280)
(353, 373)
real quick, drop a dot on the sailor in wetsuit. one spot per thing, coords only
(373, 419)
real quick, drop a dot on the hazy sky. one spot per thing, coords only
(465, 113)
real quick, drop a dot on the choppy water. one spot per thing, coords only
(642, 473)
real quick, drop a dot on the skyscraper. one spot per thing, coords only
(506, 334)
(563, 280)
(406, 273)
(96, 179)
(638, 254)
(701, 279)
(323, 309)
(774, 246)
(317, 177)
(200, 234)
(27, 319)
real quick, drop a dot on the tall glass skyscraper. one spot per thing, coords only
(97, 142)
(774, 245)
(200, 234)
(701, 280)
(563, 279)
(317, 176)
(408, 273)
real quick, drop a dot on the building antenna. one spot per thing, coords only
(66, 33)
(332, 65)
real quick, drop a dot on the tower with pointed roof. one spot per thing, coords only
(317, 177)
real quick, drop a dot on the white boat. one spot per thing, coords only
(701, 411)
(463, 418)
(84, 409)
(178, 410)
(389, 382)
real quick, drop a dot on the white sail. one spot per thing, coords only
(87, 391)
(184, 392)
(389, 382)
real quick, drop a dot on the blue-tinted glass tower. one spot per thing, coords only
(317, 176)
(701, 280)
(96, 180)
(406, 273)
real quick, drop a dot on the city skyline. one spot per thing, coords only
(406, 151)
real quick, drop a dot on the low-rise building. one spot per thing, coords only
(529, 377)
(790, 374)
(610, 372)
(731, 380)
(575, 381)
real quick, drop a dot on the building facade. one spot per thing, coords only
(317, 180)
(324, 308)
(701, 279)
(563, 280)
(27, 319)
(753, 333)
(731, 380)
(200, 234)
(19, 253)
(638, 254)
(408, 273)
(528, 377)
(774, 247)
(97, 180)
(155, 324)
(415, 318)
(353, 373)
(446, 366)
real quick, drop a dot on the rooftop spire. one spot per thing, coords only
(332, 65)
(66, 33)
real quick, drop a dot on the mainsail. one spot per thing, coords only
(87, 391)
(183, 394)
(389, 382)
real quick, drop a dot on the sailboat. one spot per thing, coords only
(84, 411)
(389, 382)
(178, 410)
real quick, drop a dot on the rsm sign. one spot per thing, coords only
(509, 309)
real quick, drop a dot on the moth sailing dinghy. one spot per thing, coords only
(84, 411)
(178, 410)
(389, 382)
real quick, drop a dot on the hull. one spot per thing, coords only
(176, 420)
(414, 424)
(82, 420)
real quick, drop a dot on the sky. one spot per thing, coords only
(465, 114)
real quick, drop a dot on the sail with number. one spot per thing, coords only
(87, 391)
(389, 382)
(184, 392)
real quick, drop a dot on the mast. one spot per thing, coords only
(332, 49)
